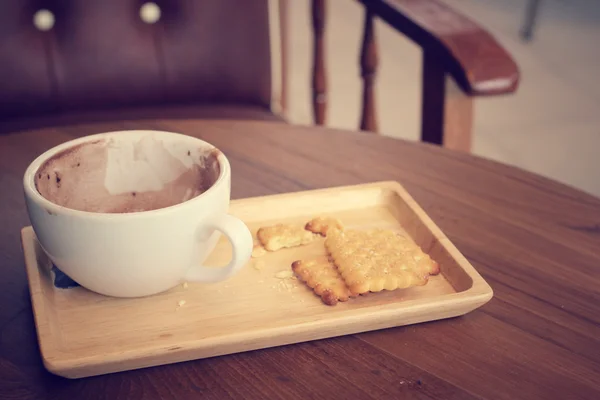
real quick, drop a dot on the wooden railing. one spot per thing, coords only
(319, 83)
(368, 68)
(368, 71)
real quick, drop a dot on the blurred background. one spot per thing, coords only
(550, 126)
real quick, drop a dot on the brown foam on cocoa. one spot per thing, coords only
(75, 178)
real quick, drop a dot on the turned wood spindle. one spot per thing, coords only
(368, 70)
(318, 73)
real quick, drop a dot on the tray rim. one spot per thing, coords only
(68, 365)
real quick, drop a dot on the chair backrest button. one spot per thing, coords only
(43, 20)
(150, 13)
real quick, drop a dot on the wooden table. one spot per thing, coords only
(535, 241)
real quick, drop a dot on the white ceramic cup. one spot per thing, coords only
(140, 253)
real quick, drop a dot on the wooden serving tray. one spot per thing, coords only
(82, 333)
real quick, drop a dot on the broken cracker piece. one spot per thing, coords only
(322, 225)
(378, 259)
(281, 236)
(322, 276)
(258, 251)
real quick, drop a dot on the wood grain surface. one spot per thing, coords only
(536, 242)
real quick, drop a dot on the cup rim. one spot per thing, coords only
(56, 209)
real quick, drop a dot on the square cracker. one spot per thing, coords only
(279, 236)
(321, 275)
(378, 259)
(322, 225)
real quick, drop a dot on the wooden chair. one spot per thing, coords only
(460, 60)
(90, 60)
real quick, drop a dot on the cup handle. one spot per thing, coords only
(241, 242)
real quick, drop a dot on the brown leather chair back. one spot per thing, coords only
(100, 54)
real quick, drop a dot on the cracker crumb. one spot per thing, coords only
(286, 274)
(258, 251)
(258, 265)
(180, 304)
